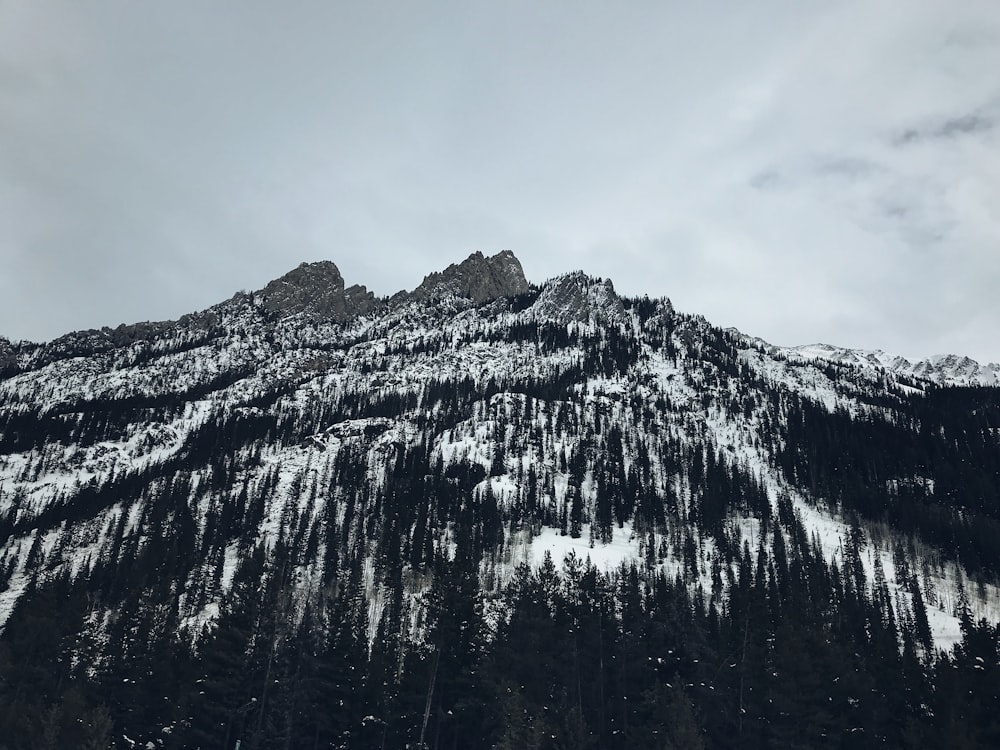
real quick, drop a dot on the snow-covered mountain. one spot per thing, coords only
(314, 435)
(939, 369)
(943, 369)
(297, 350)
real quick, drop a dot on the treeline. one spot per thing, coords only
(800, 654)
(272, 584)
(930, 471)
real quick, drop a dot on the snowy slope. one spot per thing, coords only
(942, 369)
(537, 402)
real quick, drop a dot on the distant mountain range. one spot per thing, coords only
(943, 369)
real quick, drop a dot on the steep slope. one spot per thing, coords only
(146, 398)
(339, 454)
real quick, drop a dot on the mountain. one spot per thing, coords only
(316, 290)
(943, 369)
(477, 278)
(490, 513)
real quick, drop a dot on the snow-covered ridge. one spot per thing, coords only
(576, 297)
(516, 394)
(942, 369)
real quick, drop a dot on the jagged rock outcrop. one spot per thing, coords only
(8, 356)
(477, 278)
(368, 485)
(956, 369)
(358, 300)
(85, 343)
(580, 298)
(316, 290)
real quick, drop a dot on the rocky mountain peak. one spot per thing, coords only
(316, 290)
(478, 278)
(581, 298)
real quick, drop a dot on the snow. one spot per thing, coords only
(8, 598)
(230, 563)
(455, 449)
(945, 627)
(944, 369)
(623, 548)
(504, 489)
(196, 623)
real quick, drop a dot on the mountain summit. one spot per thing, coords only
(317, 290)
(477, 278)
(578, 297)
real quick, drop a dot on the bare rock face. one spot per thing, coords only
(580, 298)
(358, 300)
(477, 278)
(125, 334)
(8, 357)
(91, 341)
(316, 290)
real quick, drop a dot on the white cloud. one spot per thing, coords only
(802, 170)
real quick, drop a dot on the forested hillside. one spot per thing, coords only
(490, 514)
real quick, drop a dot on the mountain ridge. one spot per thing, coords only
(317, 291)
(276, 504)
(942, 369)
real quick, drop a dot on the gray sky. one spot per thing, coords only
(803, 170)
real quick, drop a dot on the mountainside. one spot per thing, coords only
(306, 497)
(943, 369)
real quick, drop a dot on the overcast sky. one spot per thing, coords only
(803, 170)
